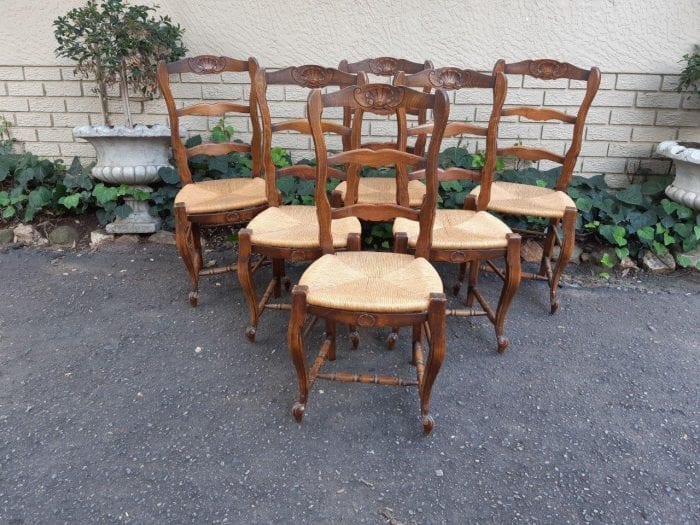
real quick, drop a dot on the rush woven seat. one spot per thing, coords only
(210, 203)
(514, 198)
(471, 235)
(460, 230)
(379, 190)
(372, 289)
(297, 227)
(371, 282)
(213, 196)
(522, 199)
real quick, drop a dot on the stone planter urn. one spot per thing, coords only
(685, 188)
(131, 156)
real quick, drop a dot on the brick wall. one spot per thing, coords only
(630, 115)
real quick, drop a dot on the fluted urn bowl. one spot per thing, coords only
(686, 185)
(127, 155)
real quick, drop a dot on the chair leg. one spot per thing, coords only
(278, 274)
(330, 332)
(510, 286)
(474, 267)
(245, 278)
(400, 246)
(186, 246)
(436, 324)
(416, 338)
(547, 247)
(567, 248)
(354, 245)
(295, 340)
(460, 279)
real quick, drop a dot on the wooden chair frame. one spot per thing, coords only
(188, 225)
(308, 76)
(382, 99)
(383, 67)
(546, 69)
(452, 78)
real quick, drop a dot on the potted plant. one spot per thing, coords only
(119, 44)
(685, 188)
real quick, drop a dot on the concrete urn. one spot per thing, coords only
(131, 156)
(685, 188)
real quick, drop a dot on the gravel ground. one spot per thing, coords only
(121, 404)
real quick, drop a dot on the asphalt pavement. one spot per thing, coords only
(119, 403)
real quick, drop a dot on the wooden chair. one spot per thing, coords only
(553, 204)
(212, 202)
(381, 189)
(469, 235)
(284, 232)
(371, 289)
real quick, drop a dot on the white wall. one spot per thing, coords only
(643, 36)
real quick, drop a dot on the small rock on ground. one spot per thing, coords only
(6, 236)
(28, 235)
(98, 237)
(162, 237)
(64, 236)
(127, 240)
(658, 263)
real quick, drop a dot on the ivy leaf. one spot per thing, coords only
(451, 185)
(654, 185)
(669, 206)
(622, 252)
(659, 248)
(169, 175)
(606, 260)
(646, 233)
(193, 141)
(219, 164)
(104, 194)
(70, 201)
(8, 212)
(584, 203)
(286, 184)
(632, 194)
(4, 198)
(39, 197)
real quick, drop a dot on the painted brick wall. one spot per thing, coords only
(630, 115)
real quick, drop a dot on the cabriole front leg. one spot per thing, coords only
(186, 247)
(295, 340)
(245, 278)
(436, 324)
(567, 248)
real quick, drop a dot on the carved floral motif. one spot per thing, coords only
(383, 66)
(206, 64)
(312, 76)
(379, 97)
(452, 78)
(548, 69)
(366, 320)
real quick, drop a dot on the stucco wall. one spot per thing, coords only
(631, 36)
(637, 45)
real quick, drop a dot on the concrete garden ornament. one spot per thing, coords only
(118, 44)
(686, 155)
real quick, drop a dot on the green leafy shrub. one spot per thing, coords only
(636, 217)
(690, 75)
(31, 186)
(117, 43)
